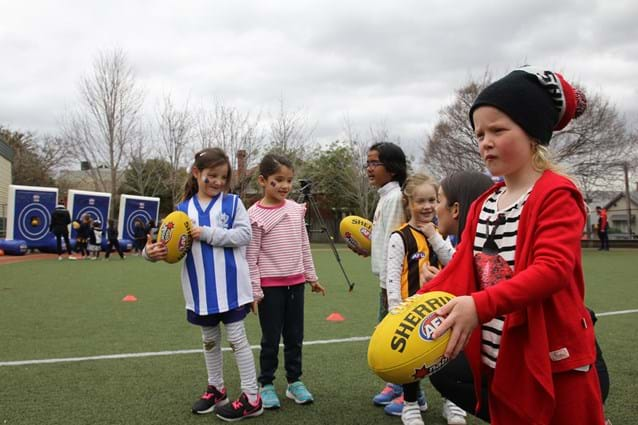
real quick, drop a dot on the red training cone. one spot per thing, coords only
(129, 299)
(335, 317)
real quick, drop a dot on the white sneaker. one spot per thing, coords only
(411, 414)
(453, 413)
(70, 257)
(59, 258)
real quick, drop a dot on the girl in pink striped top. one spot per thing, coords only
(281, 263)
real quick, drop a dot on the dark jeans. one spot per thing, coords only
(281, 312)
(604, 240)
(114, 242)
(411, 391)
(139, 243)
(58, 240)
(80, 246)
(455, 382)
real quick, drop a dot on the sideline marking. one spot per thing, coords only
(614, 313)
(199, 350)
(163, 353)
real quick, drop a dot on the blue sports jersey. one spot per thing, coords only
(215, 274)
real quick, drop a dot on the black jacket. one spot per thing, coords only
(112, 233)
(60, 219)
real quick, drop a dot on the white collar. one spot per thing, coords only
(388, 187)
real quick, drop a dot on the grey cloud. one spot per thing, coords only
(392, 62)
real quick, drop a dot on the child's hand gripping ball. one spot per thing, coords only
(175, 233)
(356, 231)
(401, 348)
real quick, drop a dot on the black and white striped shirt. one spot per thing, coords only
(505, 239)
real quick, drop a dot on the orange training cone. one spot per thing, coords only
(335, 317)
(129, 299)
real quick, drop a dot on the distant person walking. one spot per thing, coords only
(603, 229)
(60, 220)
(95, 240)
(111, 234)
(83, 234)
(139, 236)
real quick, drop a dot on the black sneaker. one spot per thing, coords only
(240, 409)
(209, 400)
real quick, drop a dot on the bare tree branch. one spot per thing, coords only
(175, 128)
(290, 133)
(107, 119)
(230, 129)
(589, 149)
(363, 195)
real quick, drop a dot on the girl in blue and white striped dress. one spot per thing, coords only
(216, 281)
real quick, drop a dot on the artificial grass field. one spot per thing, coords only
(62, 309)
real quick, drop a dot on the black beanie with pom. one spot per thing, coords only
(539, 101)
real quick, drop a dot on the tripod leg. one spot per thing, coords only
(315, 209)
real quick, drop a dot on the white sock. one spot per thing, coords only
(211, 339)
(245, 361)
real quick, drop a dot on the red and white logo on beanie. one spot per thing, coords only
(569, 101)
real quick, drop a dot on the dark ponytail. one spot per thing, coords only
(190, 188)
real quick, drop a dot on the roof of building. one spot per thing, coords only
(633, 196)
(6, 151)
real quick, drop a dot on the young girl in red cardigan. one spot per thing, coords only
(517, 273)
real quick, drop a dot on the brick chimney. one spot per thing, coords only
(241, 165)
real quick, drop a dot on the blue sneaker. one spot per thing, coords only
(298, 392)
(396, 407)
(269, 397)
(387, 394)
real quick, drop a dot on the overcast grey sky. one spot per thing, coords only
(378, 63)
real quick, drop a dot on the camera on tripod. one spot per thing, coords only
(305, 186)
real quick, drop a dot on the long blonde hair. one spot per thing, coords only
(542, 158)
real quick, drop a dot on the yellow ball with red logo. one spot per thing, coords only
(356, 231)
(402, 349)
(175, 232)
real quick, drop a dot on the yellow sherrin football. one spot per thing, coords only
(401, 348)
(175, 231)
(355, 231)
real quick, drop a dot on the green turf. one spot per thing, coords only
(51, 309)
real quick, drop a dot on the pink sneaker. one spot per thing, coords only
(240, 409)
(211, 398)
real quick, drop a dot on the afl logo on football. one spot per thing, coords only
(365, 232)
(350, 240)
(431, 322)
(166, 232)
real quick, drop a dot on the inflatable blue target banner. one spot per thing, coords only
(94, 204)
(29, 214)
(134, 208)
